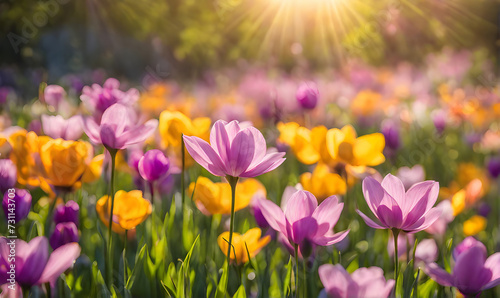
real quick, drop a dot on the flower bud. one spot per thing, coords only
(307, 95)
(64, 233)
(153, 165)
(67, 213)
(17, 201)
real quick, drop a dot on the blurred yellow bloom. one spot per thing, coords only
(466, 197)
(215, 198)
(307, 145)
(24, 155)
(345, 147)
(173, 124)
(366, 103)
(130, 210)
(94, 169)
(5, 147)
(322, 184)
(63, 162)
(474, 225)
(467, 172)
(249, 243)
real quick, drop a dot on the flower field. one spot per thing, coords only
(371, 182)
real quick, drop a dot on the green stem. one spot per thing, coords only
(395, 233)
(183, 174)
(125, 271)
(296, 250)
(233, 181)
(305, 277)
(109, 259)
(48, 221)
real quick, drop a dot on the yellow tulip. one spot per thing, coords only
(63, 162)
(467, 196)
(366, 103)
(215, 198)
(246, 244)
(130, 210)
(173, 124)
(24, 154)
(322, 184)
(94, 169)
(474, 225)
(346, 148)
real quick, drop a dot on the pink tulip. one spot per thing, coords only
(410, 176)
(57, 127)
(119, 128)
(34, 264)
(304, 223)
(233, 151)
(473, 272)
(394, 209)
(427, 251)
(364, 282)
(440, 225)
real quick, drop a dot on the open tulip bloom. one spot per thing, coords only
(304, 223)
(473, 272)
(233, 151)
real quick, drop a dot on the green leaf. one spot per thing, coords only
(183, 282)
(99, 288)
(241, 293)
(222, 286)
(288, 278)
(408, 279)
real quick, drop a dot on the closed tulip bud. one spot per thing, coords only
(67, 213)
(64, 233)
(54, 95)
(439, 120)
(494, 167)
(153, 165)
(8, 175)
(307, 95)
(390, 130)
(16, 202)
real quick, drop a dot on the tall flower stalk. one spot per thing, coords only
(109, 259)
(233, 181)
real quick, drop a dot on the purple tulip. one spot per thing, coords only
(410, 176)
(57, 127)
(304, 223)
(35, 126)
(4, 93)
(494, 167)
(54, 95)
(484, 209)
(33, 264)
(394, 209)
(8, 175)
(364, 282)
(464, 246)
(18, 201)
(473, 271)
(233, 151)
(257, 213)
(439, 120)
(390, 130)
(98, 99)
(307, 95)
(67, 213)
(64, 233)
(119, 128)
(134, 157)
(153, 165)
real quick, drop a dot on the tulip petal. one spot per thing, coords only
(424, 222)
(119, 117)
(204, 155)
(92, 130)
(428, 189)
(60, 260)
(36, 255)
(301, 204)
(274, 216)
(304, 228)
(219, 140)
(371, 223)
(493, 263)
(469, 273)
(327, 214)
(395, 188)
(138, 134)
(270, 162)
(241, 153)
(232, 129)
(329, 240)
(259, 145)
(335, 279)
(439, 275)
(391, 217)
(373, 193)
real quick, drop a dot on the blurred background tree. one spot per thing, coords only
(185, 38)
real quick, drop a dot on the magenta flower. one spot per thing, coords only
(304, 223)
(307, 95)
(64, 233)
(153, 165)
(34, 265)
(472, 273)
(57, 127)
(67, 213)
(97, 99)
(119, 128)
(8, 175)
(54, 95)
(394, 208)
(364, 282)
(233, 151)
(19, 203)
